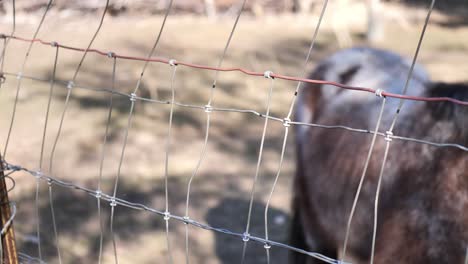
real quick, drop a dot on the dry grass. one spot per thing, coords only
(220, 191)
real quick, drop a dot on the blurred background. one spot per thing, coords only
(272, 35)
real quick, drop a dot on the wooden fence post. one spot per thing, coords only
(10, 255)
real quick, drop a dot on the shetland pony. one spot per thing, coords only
(423, 204)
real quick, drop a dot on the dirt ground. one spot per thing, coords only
(220, 192)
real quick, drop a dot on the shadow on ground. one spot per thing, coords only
(231, 214)
(82, 229)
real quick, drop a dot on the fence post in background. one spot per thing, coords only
(375, 21)
(8, 239)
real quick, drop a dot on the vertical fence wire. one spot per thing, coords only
(389, 133)
(49, 102)
(267, 247)
(166, 193)
(376, 202)
(12, 33)
(286, 124)
(466, 256)
(267, 206)
(59, 130)
(127, 128)
(2, 64)
(15, 103)
(155, 45)
(392, 126)
(23, 66)
(70, 86)
(166, 162)
(117, 177)
(189, 185)
(75, 75)
(54, 222)
(38, 220)
(363, 175)
(41, 156)
(103, 151)
(257, 169)
(309, 53)
(413, 63)
(228, 42)
(208, 110)
(7, 40)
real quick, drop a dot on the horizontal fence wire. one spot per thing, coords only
(27, 259)
(245, 111)
(142, 207)
(242, 70)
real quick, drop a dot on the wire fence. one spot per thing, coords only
(115, 202)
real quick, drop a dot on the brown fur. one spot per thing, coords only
(423, 209)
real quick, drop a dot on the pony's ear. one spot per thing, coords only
(311, 93)
(447, 110)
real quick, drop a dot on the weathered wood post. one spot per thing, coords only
(10, 255)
